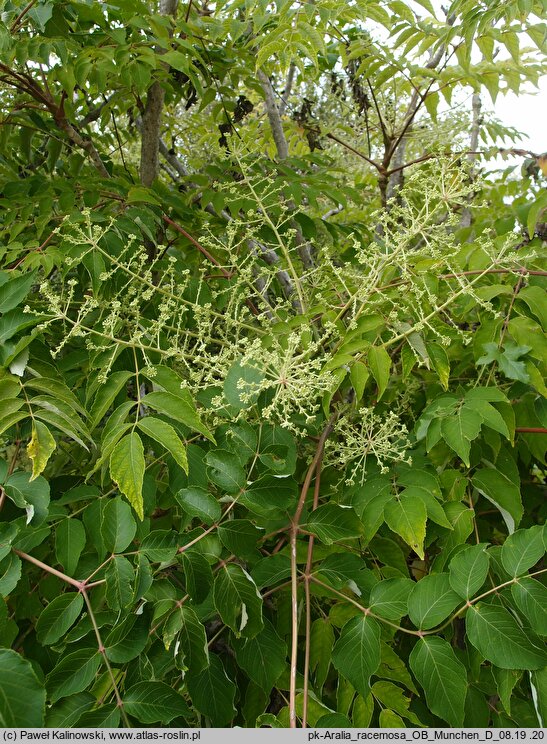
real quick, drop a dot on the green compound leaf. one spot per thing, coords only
(407, 516)
(127, 470)
(60, 614)
(154, 702)
(469, 569)
(238, 601)
(332, 522)
(443, 678)
(496, 635)
(22, 697)
(432, 600)
(356, 653)
(213, 693)
(165, 435)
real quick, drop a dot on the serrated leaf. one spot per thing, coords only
(240, 536)
(263, 657)
(127, 470)
(22, 696)
(197, 502)
(238, 601)
(8, 532)
(242, 380)
(442, 676)
(154, 702)
(40, 448)
(495, 634)
(31, 495)
(506, 360)
(70, 539)
(522, 550)
(389, 598)
(73, 673)
(379, 362)
(468, 570)
(225, 470)
(178, 407)
(356, 653)
(105, 396)
(119, 583)
(332, 522)
(15, 290)
(432, 600)
(118, 528)
(391, 696)
(440, 362)
(321, 643)
(213, 693)
(460, 429)
(68, 712)
(502, 492)
(164, 433)
(127, 639)
(198, 576)
(407, 516)
(59, 615)
(271, 570)
(160, 545)
(10, 573)
(191, 650)
(531, 598)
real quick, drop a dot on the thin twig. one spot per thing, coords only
(309, 563)
(22, 14)
(294, 530)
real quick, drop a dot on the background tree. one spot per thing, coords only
(273, 362)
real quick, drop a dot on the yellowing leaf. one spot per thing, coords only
(40, 448)
(407, 516)
(127, 470)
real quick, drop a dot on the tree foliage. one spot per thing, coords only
(272, 399)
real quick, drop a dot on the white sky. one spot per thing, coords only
(526, 112)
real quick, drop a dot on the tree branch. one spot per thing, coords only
(473, 144)
(151, 118)
(288, 88)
